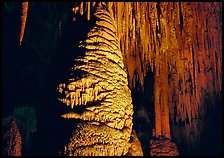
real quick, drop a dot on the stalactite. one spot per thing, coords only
(23, 20)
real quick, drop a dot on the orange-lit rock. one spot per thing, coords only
(12, 140)
(181, 41)
(23, 20)
(135, 148)
(163, 147)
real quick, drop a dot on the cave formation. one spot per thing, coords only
(171, 53)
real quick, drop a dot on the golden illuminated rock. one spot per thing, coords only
(103, 92)
(91, 139)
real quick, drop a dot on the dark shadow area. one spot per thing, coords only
(209, 141)
(143, 118)
(10, 52)
(52, 127)
(32, 71)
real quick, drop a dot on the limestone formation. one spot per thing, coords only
(163, 147)
(178, 42)
(23, 20)
(103, 92)
(12, 140)
(135, 148)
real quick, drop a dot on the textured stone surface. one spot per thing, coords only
(91, 139)
(12, 140)
(163, 147)
(135, 148)
(102, 91)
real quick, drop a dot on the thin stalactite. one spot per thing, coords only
(23, 20)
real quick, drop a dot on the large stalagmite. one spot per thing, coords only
(102, 91)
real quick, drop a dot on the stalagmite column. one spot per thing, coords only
(102, 91)
(162, 125)
(12, 140)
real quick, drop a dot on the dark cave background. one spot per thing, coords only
(32, 71)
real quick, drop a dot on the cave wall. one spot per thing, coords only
(180, 43)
